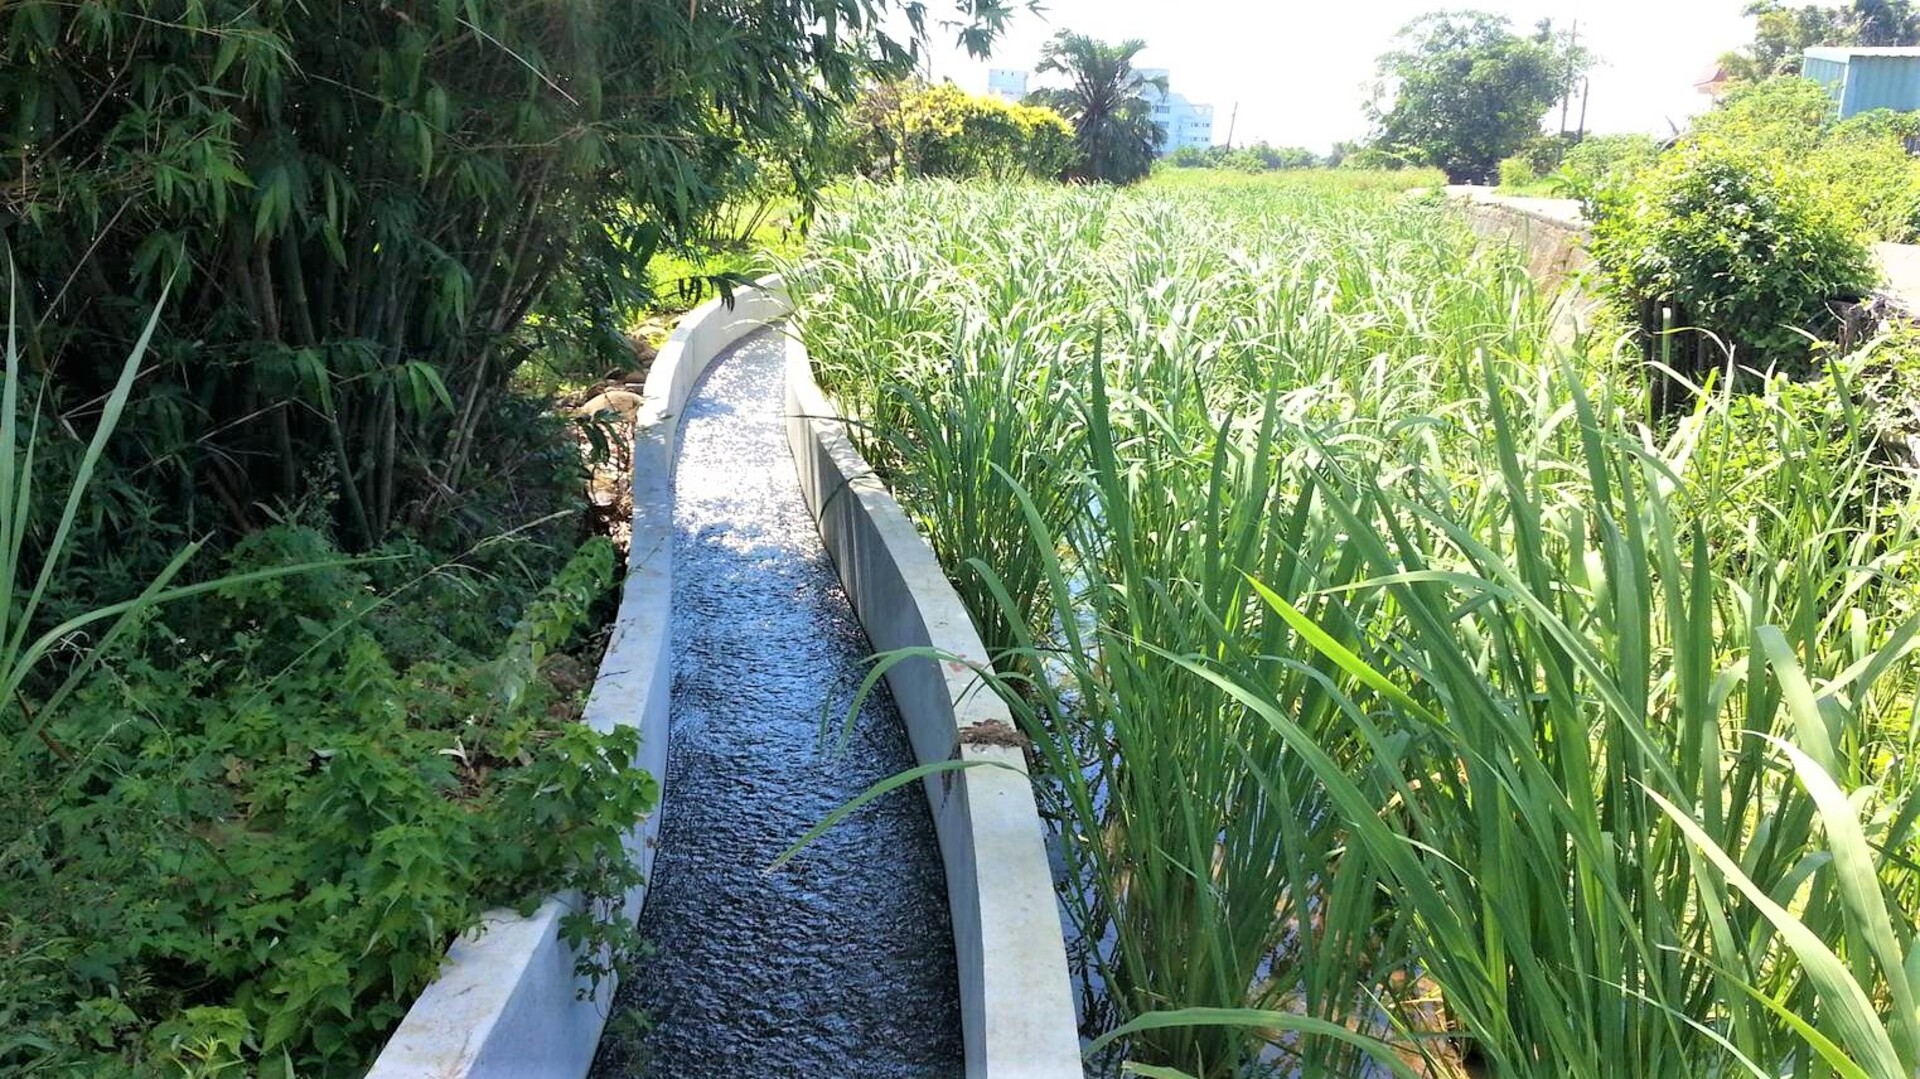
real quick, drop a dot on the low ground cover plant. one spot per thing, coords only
(247, 839)
(1386, 674)
(245, 809)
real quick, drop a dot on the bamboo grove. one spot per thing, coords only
(372, 214)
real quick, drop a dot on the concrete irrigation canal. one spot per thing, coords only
(841, 963)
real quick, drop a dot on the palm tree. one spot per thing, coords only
(1107, 105)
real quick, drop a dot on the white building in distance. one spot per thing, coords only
(1009, 84)
(1184, 123)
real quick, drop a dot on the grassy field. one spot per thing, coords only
(1386, 673)
(1351, 181)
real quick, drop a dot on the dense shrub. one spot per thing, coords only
(1546, 151)
(1748, 246)
(241, 820)
(1600, 160)
(1255, 157)
(250, 835)
(1191, 157)
(1861, 164)
(244, 839)
(1518, 171)
(1782, 117)
(1377, 157)
(913, 129)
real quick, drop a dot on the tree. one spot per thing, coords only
(1783, 34)
(1464, 91)
(1887, 23)
(1107, 104)
(372, 214)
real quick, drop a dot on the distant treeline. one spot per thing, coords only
(1259, 157)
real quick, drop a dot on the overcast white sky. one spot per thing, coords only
(1299, 68)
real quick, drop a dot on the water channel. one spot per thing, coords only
(841, 963)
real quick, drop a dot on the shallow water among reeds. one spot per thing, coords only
(842, 962)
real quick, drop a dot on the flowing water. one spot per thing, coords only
(840, 964)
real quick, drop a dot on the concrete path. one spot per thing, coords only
(1562, 211)
(842, 963)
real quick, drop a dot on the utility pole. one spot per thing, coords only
(1566, 88)
(1232, 119)
(1586, 91)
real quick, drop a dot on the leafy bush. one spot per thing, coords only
(1254, 157)
(1601, 160)
(1387, 158)
(1518, 171)
(1332, 182)
(1545, 152)
(914, 129)
(955, 134)
(1783, 117)
(244, 813)
(250, 835)
(1749, 247)
(1861, 164)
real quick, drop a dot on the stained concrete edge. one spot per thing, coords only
(507, 1003)
(1016, 993)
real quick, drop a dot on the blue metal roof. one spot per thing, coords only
(1862, 80)
(1844, 53)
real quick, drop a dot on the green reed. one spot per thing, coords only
(1386, 675)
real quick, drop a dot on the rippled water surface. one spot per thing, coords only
(841, 964)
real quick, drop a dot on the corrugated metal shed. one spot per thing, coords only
(1865, 79)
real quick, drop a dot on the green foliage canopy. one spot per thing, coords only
(1750, 247)
(908, 129)
(1465, 91)
(364, 207)
(1107, 103)
(1783, 34)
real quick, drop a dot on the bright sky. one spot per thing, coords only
(1300, 69)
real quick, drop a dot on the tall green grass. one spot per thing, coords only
(1384, 672)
